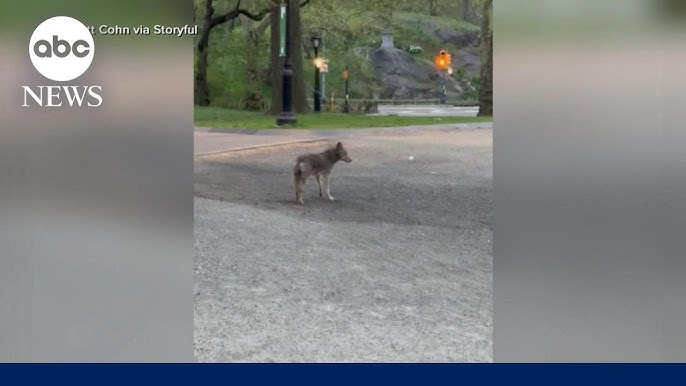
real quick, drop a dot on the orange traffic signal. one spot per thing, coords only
(442, 61)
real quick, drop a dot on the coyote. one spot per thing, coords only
(317, 165)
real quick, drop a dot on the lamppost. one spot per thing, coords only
(316, 40)
(346, 75)
(320, 33)
(286, 116)
(323, 44)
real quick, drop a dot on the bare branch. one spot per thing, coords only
(211, 22)
(234, 14)
(263, 25)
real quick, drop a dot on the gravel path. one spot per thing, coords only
(398, 268)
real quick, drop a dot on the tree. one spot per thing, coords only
(387, 10)
(486, 90)
(253, 31)
(465, 8)
(433, 7)
(210, 21)
(295, 54)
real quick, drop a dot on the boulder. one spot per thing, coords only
(458, 38)
(468, 59)
(393, 61)
(462, 43)
(400, 75)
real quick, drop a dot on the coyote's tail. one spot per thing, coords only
(297, 170)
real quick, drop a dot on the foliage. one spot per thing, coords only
(351, 29)
(228, 57)
(412, 49)
(471, 85)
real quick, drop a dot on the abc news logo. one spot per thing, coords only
(61, 49)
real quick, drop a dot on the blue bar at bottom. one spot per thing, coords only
(342, 374)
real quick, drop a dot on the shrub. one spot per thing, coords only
(411, 48)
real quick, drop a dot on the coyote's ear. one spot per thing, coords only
(339, 145)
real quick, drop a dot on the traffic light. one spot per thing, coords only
(442, 61)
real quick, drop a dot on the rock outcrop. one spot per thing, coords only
(403, 76)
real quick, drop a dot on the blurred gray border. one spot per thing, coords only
(589, 182)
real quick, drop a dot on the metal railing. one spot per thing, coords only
(355, 103)
(338, 103)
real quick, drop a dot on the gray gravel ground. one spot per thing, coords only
(397, 269)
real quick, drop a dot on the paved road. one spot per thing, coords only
(209, 141)
(428, 110)
(399, 268)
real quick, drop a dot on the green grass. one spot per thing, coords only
(225, 118)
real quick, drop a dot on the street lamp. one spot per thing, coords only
(286, 116)
(346, 75)
(316, 41)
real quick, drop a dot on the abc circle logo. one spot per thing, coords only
(61, 48)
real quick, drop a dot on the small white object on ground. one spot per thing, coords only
(411, 158)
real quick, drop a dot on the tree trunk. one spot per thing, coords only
(433, 7)
(295, 51)
(202, 97)
(464, 10)
(486, 91)
(201, 90)
(299, 96)
(276, 61)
